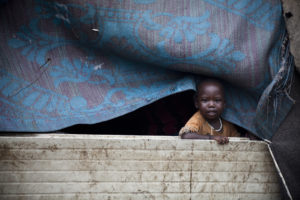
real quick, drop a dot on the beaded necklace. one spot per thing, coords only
(217, 130)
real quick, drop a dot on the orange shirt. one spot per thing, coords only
(199, 125)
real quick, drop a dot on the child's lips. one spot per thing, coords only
(212, 112)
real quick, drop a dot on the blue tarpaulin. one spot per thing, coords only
(82, 62)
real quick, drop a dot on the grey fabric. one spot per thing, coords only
(286, 145)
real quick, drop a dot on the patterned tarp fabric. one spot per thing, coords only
(72, 61)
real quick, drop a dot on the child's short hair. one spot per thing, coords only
(199, 82)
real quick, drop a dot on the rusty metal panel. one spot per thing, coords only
(59, 166)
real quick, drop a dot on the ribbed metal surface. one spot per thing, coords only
(58, 166)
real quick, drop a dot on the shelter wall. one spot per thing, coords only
(61, 166)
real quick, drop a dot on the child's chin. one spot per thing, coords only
(212, 117)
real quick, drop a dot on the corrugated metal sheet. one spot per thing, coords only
(58, 166)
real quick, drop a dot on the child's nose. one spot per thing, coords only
(211, 103)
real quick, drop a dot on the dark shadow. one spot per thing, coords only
(163, 117)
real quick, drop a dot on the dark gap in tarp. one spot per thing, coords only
(163, 117)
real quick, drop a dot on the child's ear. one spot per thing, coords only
(196, 101)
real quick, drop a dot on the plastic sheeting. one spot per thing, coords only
(69, 62)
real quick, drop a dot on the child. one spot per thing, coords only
(206, 122)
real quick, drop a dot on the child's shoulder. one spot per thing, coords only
(227, 123)
(197, 116)
(230, 128)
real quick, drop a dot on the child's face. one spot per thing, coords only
(210, 100)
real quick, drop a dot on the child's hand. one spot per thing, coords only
(221, 139)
